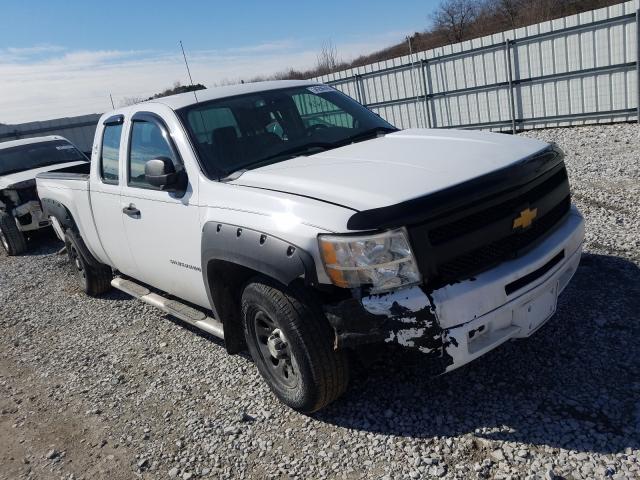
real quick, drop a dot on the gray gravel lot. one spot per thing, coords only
(112, 388)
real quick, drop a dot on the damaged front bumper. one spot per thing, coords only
(29, 216)
(461, 322)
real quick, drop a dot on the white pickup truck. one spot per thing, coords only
(20, 162)
(288, 219)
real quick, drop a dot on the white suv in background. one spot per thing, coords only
(20, 162)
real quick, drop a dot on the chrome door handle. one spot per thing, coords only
(132, 211)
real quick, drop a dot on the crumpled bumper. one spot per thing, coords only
(30, 216)
(461, 322)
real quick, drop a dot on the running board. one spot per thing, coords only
(179, 310)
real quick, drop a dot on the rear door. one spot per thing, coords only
(105, 195)
(162, 228)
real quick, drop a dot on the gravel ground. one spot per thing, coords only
(111, 388)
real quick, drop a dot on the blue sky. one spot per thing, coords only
(64, 58)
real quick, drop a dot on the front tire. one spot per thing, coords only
(93, 280)
(11, 239)
(291, 343)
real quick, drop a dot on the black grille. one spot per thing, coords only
(443, 233)
(473, 238)
(490, 255)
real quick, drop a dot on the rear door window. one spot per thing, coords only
(110, 154)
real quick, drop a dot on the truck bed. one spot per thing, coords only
(74, 172)
(68, 189)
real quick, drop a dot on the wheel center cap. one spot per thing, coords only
(276, 344)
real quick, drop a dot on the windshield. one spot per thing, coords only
(36, 155)
(256, 129)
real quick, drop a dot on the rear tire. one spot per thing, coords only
(12, 239)
(291, 342)
(93, 280)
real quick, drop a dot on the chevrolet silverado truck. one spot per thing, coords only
(20, 162)
(289, 220)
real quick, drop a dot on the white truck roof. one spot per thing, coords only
(27, 141)
(185, 99)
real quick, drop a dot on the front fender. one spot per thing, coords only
(231, 255)
(258, 251)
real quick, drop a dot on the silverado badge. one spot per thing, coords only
(525, 219)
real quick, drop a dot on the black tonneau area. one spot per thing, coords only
(506, 181)
(74, 172)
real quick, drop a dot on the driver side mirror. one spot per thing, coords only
(160, 172)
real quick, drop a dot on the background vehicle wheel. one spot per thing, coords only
(11, 239)
(93, 280)
(291, 343)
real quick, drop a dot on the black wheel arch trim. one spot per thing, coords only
(262, 252)
(256, 252)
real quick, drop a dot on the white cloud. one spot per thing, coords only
(22, 54)
(47, 81)
(35, 50)
(94, 57)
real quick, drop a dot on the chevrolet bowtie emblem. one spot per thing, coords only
(525, 219)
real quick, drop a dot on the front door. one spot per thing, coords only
(162, 227)
(105, 196)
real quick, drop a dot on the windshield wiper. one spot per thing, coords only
(307, 148)
(366, 135)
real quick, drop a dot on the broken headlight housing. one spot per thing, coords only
(383, 261)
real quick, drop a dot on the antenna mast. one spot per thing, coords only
(188, 71)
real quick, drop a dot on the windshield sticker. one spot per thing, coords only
(320, 89)
(64, 147)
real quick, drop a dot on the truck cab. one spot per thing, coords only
(293, 222)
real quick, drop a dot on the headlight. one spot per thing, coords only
(384, 261)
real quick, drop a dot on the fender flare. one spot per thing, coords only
(253, 251)
(258, 251)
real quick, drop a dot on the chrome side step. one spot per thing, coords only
(179, 310)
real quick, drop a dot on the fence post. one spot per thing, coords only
(414, 86)
(638, 60)
(512, 108)
(425, 64)
(360, 90)
(432, 105)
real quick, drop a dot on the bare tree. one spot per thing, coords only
(126, 101)
(327, 58)
(510, 10)
(455, 18)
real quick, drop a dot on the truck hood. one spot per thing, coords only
(391, 169)
(7, 180)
